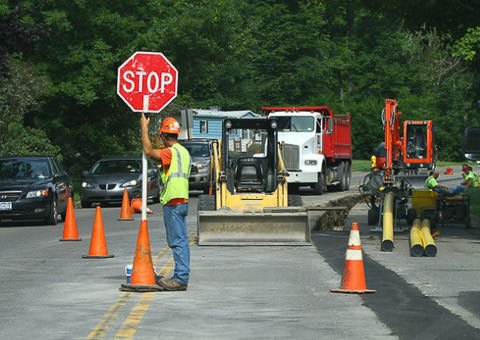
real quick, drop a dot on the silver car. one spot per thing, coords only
(201, 153)
(107, 179)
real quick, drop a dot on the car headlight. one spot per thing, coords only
(310, 162)
(87, 185)
(131, 183)
(38, 193)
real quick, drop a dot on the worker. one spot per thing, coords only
(431, 183)
(175, 161)
(470, 178)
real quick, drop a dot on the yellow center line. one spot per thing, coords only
(129, 326)
(112, 313)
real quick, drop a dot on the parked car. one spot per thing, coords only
(33, 188)
(201, 153)
(109, 177)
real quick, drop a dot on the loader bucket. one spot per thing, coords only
(276, 226)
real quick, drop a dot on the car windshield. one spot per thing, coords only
(116, 166)
(295, 124)
(198, 149)
(36, 169)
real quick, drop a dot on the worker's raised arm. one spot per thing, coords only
(147, 144)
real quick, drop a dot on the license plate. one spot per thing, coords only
(5, 205)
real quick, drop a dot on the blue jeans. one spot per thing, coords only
(450, 192)
(175, 219)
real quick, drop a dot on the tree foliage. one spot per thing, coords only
(349, 54)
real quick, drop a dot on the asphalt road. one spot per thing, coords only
(50, 292)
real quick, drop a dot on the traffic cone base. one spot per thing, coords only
(70, 231)
(140, 288)
(126, 212)
(353, 278)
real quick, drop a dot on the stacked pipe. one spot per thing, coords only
(421, 240)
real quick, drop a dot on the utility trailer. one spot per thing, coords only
(316, 146)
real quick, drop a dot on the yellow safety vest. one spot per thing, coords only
(175, 182)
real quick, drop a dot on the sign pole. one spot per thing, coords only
(144, 169)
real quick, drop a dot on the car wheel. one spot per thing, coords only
(53, 216)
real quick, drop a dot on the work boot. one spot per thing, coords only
(171, 284)
(158, 278)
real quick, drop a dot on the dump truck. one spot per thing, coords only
(250, 204)
(316, 147)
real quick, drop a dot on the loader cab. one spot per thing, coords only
(249, 154)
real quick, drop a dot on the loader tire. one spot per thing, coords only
(206, 203)
(295, 201)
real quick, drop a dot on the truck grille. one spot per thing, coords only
(290, 155)
(9, 196)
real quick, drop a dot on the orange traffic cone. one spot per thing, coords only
(136, 206)
(448, 171)
(126, 212)
(142, 278)
(98, 243)
(70, 231)
(353, 279)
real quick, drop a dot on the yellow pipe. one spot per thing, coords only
(416, 239)
(429, 245)
(387, 237)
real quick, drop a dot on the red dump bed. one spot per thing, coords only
(338, 145)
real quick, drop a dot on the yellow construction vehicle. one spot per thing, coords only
(250, 204)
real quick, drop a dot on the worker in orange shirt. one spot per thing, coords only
(175, 161)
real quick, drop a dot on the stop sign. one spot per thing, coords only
(147, 81)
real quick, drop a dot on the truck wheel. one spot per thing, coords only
(206, 203)
(341, 173)
(318, 187)
(295, 201)
(348, 175)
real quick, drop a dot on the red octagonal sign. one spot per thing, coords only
(147, 81)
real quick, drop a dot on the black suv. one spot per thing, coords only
(200, 150)
(33, 188)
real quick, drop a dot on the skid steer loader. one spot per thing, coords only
(250, 204)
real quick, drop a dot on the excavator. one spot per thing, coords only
(250, 204)
(401, 164)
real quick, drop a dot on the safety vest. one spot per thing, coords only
(175, 181)
(474, 178)
(431, 182)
